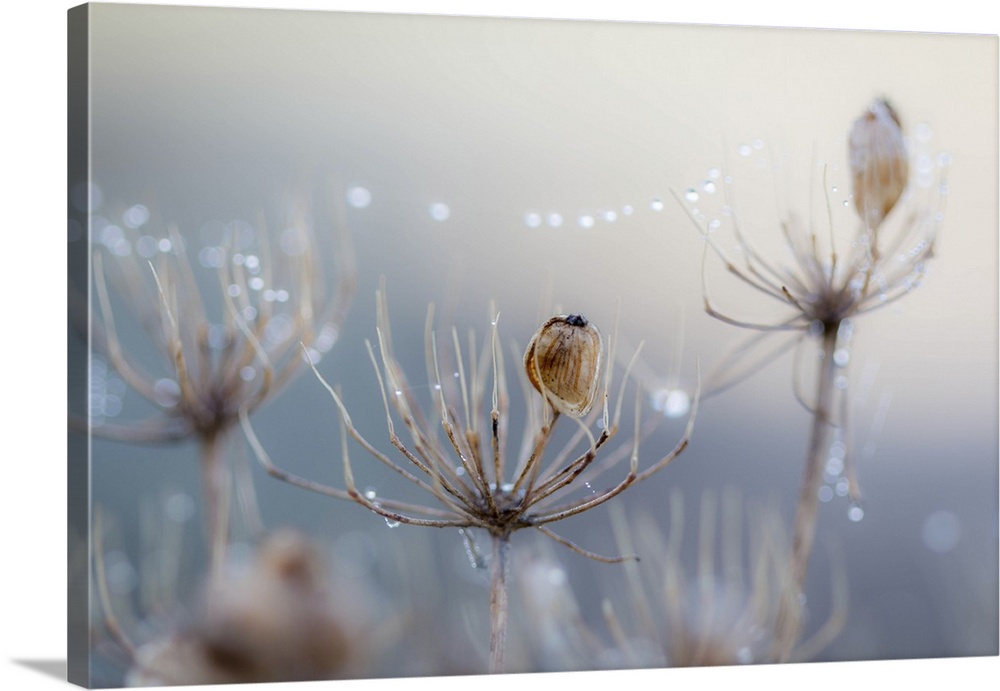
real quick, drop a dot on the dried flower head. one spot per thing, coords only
(825, 286)
(227, 337)
(276, 619)
(469, 473)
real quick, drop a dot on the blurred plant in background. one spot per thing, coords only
(824, 288)
(207, 320)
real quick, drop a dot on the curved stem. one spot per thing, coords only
(498, 601)
(789, 620)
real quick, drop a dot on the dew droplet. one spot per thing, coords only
(585, 221)
(691, 195)
(834, 466)
(359, 197)
(671, 402)
(440, 211)
(211, 257)
(370, 493)
(825, 493)
(555, 219)
(391, 523)
(135, 216)
(941, 531)
(121, 576)
(745, 150)
(179, 507)
(166, 392)
(532, 219)
(476, 560)
(656, 205)
(327, 338)
(855, 513)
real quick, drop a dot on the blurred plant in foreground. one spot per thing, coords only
(468, 473)
(825, 289)
(271, 615)
(725, 615)
(207, 328)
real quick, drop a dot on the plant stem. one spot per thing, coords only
(214, 487)
(789, 619)
(498, 601)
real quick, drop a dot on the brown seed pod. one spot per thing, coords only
(563, 362)
(878, 161)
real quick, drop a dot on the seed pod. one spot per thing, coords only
(563, 362)
(878, 161)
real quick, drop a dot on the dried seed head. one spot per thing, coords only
(878, 161)
(563, 361)
(276, 619)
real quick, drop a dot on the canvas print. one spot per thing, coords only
(409, 346)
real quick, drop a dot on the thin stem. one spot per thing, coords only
(215, 487)
(789, 619)
(498, 601)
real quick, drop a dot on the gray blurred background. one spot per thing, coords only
(531, 162)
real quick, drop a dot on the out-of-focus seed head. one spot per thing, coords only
(563, 362)
(275, 620)
(879, 162)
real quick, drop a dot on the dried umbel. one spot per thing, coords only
(471, 474)
(563, 362)
(879, 162)
(822, 289)
(227, 330)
